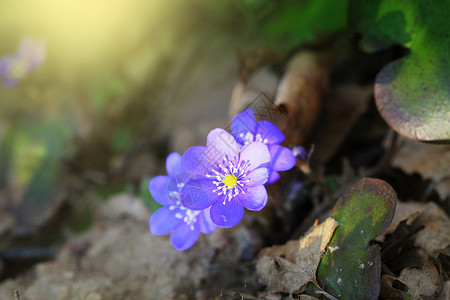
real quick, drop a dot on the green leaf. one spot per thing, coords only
(6, 154)
(350, 268)
(412, 93)
(297, 22)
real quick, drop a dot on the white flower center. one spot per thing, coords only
(250, 137)
(229, 178)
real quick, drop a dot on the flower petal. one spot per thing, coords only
(228, 214)
(221, 143)
(254, 198)
(241, 124)
(269, 131)
(256, 154)
(184, 236)
(158, 187)
(164, 220)
(257, 177)
(205, 224)
(273, 176)
(281, 158)
(197, 194)
(173, 164)
(196, 161)
(300, 153)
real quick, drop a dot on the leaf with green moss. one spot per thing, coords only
(412, 93)
(350, 267)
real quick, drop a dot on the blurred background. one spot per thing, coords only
(119, 83)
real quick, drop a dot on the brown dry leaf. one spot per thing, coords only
(445, 293)
(403, 211)
(429, 160)
(435, 237)
(412, 283)
(341, 109)
(300, 91)
(425, 232)
(257, 92)
(287, 268)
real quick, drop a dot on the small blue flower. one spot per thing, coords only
(246, 130)
(29, 56)
(182, 223)
(226, 177)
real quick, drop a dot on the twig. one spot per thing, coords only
(331, 297)
(16, 295)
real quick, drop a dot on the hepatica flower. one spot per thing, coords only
(30, 55)
(246, 130)
(210, 186)
(182, 223)
(227, 177)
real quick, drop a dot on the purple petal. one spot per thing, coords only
(175, 185)
(228, 214)
(273, 176)
(254, 198)
(173, 164)
(281, 158)
(256, 153)
(221, 143)
(269, 132)
(198, 194)
(158, 187)
(184, 236)
(241, 124)
(257, 177)
(300, 153)
(196, 161)
(164, 220)
(205, 224)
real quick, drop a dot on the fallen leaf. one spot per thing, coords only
(412, 283)
(257, 93)
(445, 294)
(414, 157)
(435, 237)
(288, 267)
(424, 231)
(300, 91)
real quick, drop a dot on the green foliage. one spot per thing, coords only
(413, 93)
(106, 192)
(30, 152)
(350, 268)
(296, 22)
(120, 139)
(50, 140)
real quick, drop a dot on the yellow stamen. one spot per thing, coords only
(230, 181)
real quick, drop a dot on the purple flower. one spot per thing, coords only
(246, 130)
(182, 223)
(29, 56)
(226, 177)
